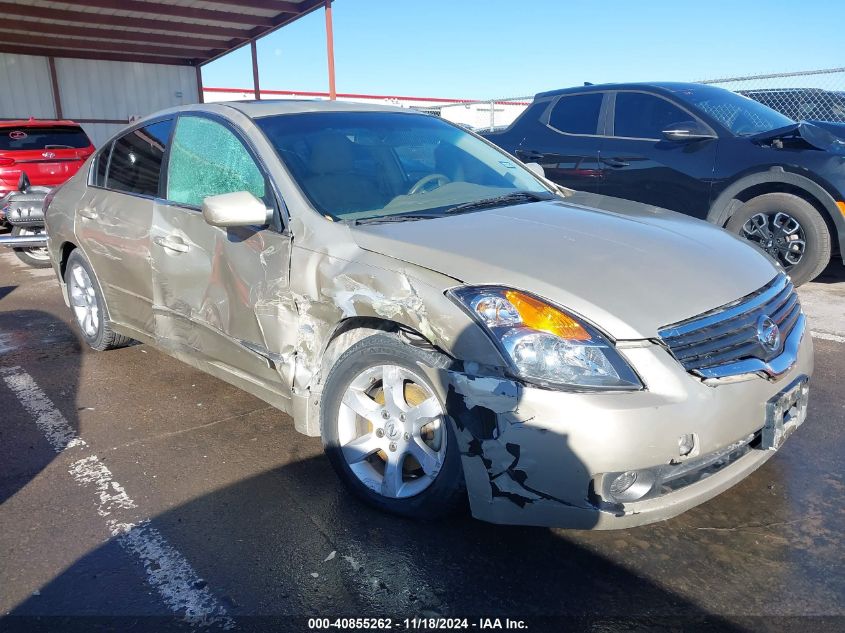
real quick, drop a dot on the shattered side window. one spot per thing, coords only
(207, 159)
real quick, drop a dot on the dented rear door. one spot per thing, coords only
(210, 283)
(113, 221)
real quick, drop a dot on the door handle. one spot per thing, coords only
(172, 244)
(615, 162)
(88, 213)
(529, 154)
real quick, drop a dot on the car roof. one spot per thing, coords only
(32, 122)
(654, 86)
(271, 107)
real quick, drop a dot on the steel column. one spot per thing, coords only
(330, 49)
(200, 97)
(54, 80)
(255, 83)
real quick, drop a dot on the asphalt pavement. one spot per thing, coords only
(240, 523)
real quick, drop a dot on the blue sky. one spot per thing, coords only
(480, 49)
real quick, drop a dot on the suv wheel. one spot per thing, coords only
(386, 434)
(788, 228)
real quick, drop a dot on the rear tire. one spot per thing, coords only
(781, 224)
(89, 307)
(36, 257)
(376, 456)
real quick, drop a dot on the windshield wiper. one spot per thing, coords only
(500, 201)
(403, 217)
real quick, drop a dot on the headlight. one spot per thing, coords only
(543, 343)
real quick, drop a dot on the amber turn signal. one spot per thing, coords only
(544, 318)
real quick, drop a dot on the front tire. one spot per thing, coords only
(37, 257)
(386, 434)
(88, 305)
(790, 229)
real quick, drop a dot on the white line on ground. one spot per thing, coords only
(168, 571)
(829, 337)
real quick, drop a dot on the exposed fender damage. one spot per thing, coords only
(490, 428)
(810, 135)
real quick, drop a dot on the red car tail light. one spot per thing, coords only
(7, 162)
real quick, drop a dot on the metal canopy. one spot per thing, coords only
(175, 32)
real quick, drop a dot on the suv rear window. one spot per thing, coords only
(52, 137)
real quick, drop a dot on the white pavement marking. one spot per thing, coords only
(829, 337)
(168, 571)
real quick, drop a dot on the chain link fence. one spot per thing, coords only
(809, 95)
(487, 114)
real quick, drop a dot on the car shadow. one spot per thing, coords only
(38, 344)
(833, 274)
(6, 290)
(290, 543)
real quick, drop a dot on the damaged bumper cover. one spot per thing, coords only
(535, 456)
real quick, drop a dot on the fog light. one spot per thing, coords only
(631, 485)
(685, 444)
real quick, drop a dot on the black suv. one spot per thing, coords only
(700, 150)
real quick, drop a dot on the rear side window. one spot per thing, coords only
(48, 137)
(578, 114)
(136, 158)
(102, 164)
(207, 159)
(641, 115)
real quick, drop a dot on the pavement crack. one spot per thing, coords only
(198, 427)
(757, 526)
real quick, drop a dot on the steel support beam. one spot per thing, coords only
(54, 81)
(330, 50)
(21, 49)
(200, 97)
(86, 17)
(256, 84)
(115, 35)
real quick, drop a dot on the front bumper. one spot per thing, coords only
(533, 456)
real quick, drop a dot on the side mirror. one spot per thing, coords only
(239, 208)
(536, 169)
(686, 131)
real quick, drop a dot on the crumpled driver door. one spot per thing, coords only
(211, 283)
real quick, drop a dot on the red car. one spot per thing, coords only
(49, 152)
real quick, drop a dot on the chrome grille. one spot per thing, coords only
(724, 342)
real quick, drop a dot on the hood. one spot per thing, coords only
(829, 137)
(629, 273)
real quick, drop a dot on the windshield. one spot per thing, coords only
(741, 115)
(367, 165)
(53, 137)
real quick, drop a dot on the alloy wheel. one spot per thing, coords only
(391, 431)
(83, 300)
(779, 234)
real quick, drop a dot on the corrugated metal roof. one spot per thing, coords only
(178, 32)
